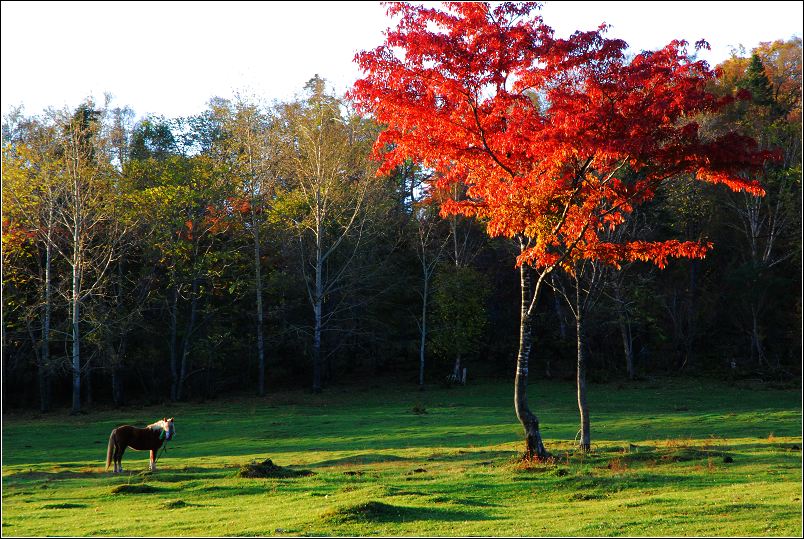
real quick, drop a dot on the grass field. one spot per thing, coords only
(669, 458)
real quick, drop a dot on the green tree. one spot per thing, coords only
(459, 314)
(246, 148)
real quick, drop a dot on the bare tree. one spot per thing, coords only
(326, 163)
(430, 246)
(86, 217)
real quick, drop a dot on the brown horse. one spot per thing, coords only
(150, 438)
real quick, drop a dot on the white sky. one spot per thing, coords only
(170, 58)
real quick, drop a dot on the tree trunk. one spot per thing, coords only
(625, 331)
(583, 407)
(118, 395)
(456, 368)
(186, 341)
(76, 336)
(628, 346)
(118, 355)
(88, 382)
(756, 337)
(423, 328)
(533, 438)
(258, 289)
(44, 368)
(174, 368)
(319, 292)
(562, 324)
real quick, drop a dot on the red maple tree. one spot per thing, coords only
(553, 140)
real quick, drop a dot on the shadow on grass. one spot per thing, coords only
(64, 506)
(226, 491)
(368, 458)
(608, 484)
(165, 475)
(32, 475)
(186, 473)
(374, 511)
(486, 457)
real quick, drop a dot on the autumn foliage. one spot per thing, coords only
(553, 140)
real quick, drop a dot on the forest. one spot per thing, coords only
(262, 245)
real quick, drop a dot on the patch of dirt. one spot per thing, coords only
(268, 470)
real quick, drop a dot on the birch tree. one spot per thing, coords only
(329, 175)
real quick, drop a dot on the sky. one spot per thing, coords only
(170, 58)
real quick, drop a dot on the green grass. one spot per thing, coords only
(669, 458)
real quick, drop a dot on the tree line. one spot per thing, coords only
(255, 247)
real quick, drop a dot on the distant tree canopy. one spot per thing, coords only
(255, 247)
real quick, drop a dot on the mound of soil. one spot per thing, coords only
(63, 505)
(267, 469)
(134, 489)
(582, 497)
(362, 512)
(175, 504)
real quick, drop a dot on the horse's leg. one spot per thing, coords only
(152, 466)
(119, 450)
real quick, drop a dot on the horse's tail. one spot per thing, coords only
(110, 449)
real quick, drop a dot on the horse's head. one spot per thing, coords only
(171, 429)
(168, 428)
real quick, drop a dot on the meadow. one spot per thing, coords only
(670, 457)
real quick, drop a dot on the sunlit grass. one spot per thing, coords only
(670, 458)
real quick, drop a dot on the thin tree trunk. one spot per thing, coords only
(44, 368)
(88, 382)
(562, 324)
(258, 287)
(456, 368)
(117, 355)
(533, 438)
(628, 346)
(174, 368)
(423, 332)
(76, 336)
(625, 331)
(186, 341)
(756, 338)
(583, 407)
(118, 396)
(318, 298)
(319, 292)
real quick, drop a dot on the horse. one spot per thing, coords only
(150, 438)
